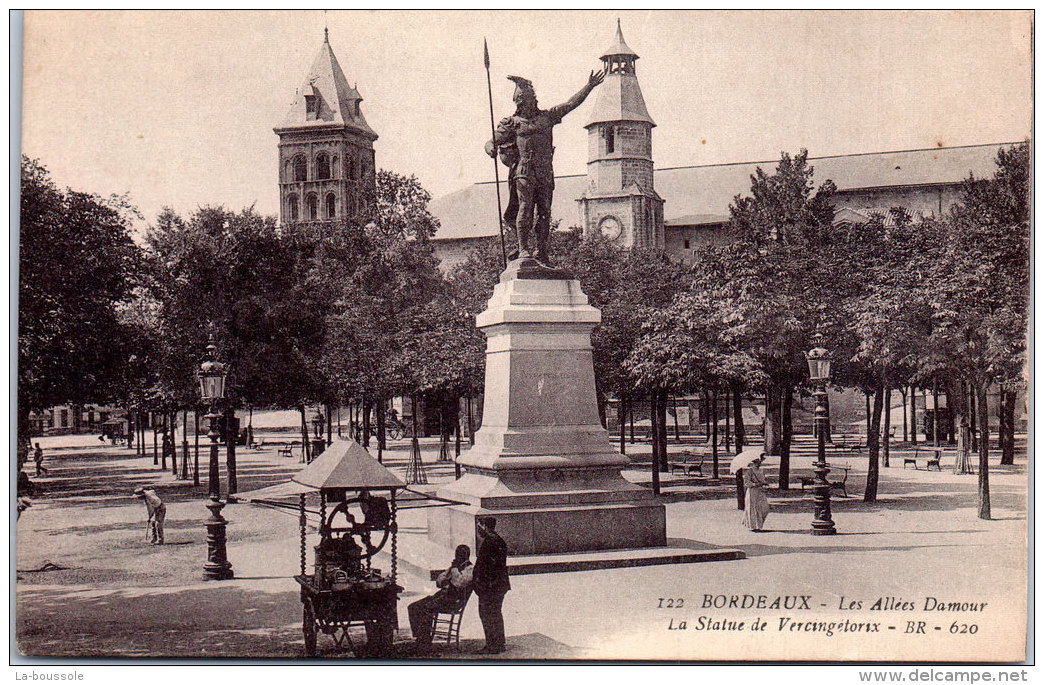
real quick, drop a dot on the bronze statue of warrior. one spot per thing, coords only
(532, 177)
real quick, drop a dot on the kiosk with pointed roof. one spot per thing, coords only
(345, 589)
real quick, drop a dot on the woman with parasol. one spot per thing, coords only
(756, 506)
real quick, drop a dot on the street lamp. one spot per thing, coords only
(819, 371)
(211, 375)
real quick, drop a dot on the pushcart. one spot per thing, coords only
(343, 589)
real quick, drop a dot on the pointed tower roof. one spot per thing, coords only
(345, 464)
(333, 100)
(619, 96)
(619, 47)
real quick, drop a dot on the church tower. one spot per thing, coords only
(620, 200)
(326, 158)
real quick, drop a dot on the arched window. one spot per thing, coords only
(322, 166)
(334, 171)
(331, 206)
(610, 138)
(351, 205)
(292, 208)
(313, 207)
(288, 171)
(300, 168)
(351, 168)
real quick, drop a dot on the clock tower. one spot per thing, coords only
(326, 158)
(620, 200)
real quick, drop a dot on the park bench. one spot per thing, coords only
(930, 455)
(691, 462)
(835, 484)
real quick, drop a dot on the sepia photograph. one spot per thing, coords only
(522, 337)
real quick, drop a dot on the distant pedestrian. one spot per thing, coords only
(491, 583)
(22, 504)
(756, 506)
(157, 512)
(38, 459)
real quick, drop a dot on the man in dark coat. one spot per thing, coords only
(491, 583)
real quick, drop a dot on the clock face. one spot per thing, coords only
(610, 227)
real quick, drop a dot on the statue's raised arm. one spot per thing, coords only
(595, 78)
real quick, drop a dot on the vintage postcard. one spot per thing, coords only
(524, 336)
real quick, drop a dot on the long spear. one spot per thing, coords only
(496, 168)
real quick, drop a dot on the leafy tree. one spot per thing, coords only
(77, 266)
(771, 286)
(981, 290)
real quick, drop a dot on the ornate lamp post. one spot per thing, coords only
(212, 376)
(819, 371)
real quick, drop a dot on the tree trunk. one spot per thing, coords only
(935, 411)
(366, 411)
(706, 417)
(195, 439)
(165, 441)
(621, 415)
(1007, 426)
(974, 414)
(913, 414)
(737, 411)
(654, 429)
(869, 414)
(662, 418)
(984, 453)
(155, 438)
(714, 432)
(677, 432)
(906, 426)
(306, 448)
(471, 424)
(630, 412)
(329, 426)
(772, 421)
(231, 438)
(787, 436)
(873, 448)
(174, 443)
(728, 417)
(886, 433)
(381, 444)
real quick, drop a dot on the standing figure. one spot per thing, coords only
(756, 507)
(157, 512)
(38, 459)
(491, 583)
(454, 588)
(530, 131)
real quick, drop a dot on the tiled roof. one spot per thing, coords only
(619, 99)
(338, 101)
(709, 189)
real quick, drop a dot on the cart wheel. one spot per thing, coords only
(309, 628)
(395, 432)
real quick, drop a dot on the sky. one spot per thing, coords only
(177, 108)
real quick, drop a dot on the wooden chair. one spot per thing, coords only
(446, 624)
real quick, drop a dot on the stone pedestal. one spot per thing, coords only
(542, 464)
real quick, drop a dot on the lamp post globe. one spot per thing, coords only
(211, 376)
(818, 359)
